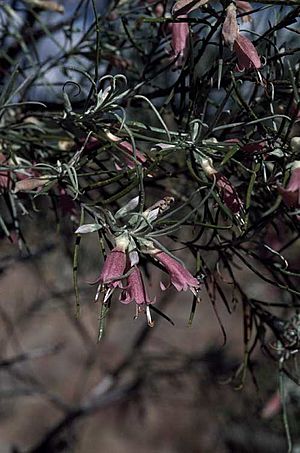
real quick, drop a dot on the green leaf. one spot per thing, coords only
(88, 228)
(230, 153)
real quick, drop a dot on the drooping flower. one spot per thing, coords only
(228, 194)
(230, 27)
(21, 180)
(244, 7)
(180, 277)
(128, 148)
(246, 53)
(135, 291)
(113, 269)
(128, 151)
(5, 179)
(250, 148)
(291, 194)
(30, 183)
(180, 41)
(254, 147)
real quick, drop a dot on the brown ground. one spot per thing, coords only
(182, 402)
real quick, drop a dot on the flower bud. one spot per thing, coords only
(207, 166)
(295, 144)
(230, 27)
(246, 53)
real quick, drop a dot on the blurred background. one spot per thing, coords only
(175, 388)
(171, 389)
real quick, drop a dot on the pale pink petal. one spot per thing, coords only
(246, 53)
(180, 277)
(30, 184)
(186, 6)
(113, 268)
(228, 194)
(180, 41)
(244, 7)
(135, 290)
(230, 27)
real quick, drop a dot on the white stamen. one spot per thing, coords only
(108, 294)
(148, 315)
(98, 292)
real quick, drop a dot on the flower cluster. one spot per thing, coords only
(245, 51)
(121, 270)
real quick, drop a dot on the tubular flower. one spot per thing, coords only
(5, 180)
(128, 151)
(136, 291)
(180, 41)
(113, 270)
(244, 7)
(128, 148)
(246, 53)
(180, 277)
(27, 181)
(291, 194)
(230, 27)
(228, 194)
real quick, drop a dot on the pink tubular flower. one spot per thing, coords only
(128, 148)
(113, 268)
(112, 272)
(136, 291)
(180, 41)
(230, 29)
(246, 53)
(244, 7)
(180, 277)
(5, 180)
(30, 183)
(21, 181)
(128, 152)
(228, 194)
(255, 147)
(291, 194)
